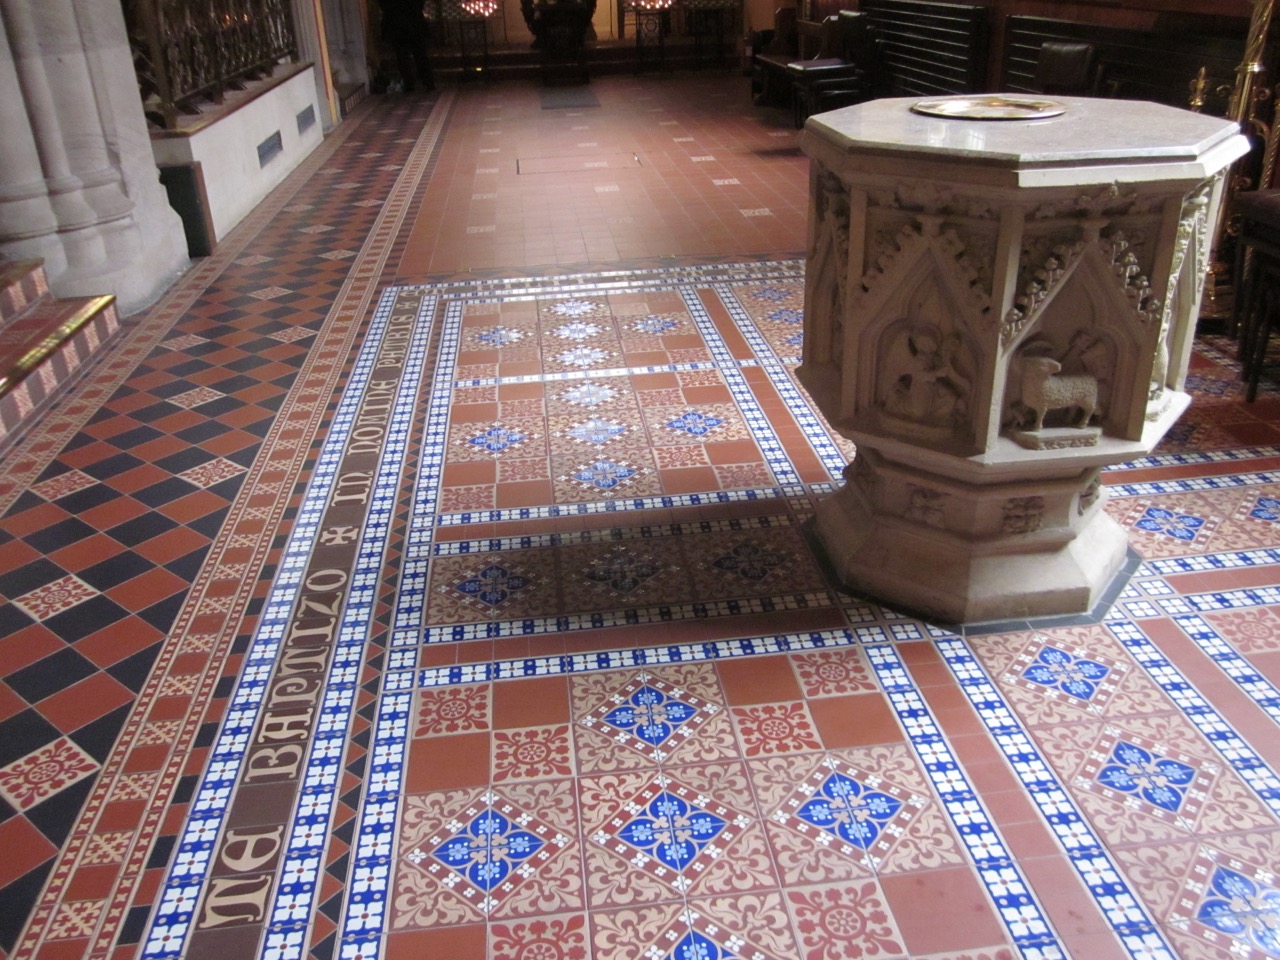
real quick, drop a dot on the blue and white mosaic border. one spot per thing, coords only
(1016, 904)
(1246, 761)
(187, 875)
(1132, 924)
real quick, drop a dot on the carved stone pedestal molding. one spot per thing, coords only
(995, 310)
(79, 186)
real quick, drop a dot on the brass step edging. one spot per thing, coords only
(48, 346)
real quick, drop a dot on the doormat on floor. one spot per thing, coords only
(560, 98)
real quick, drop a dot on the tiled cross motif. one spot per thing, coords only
(1179, 526)
(488, 851)
(1128, 768)
(671, 832)
(860, 815)
(651, 717)
(1242, 908)
(1067, 674)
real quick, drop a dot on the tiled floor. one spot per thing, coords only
(428, 576)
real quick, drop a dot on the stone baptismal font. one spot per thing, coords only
(1001, 295)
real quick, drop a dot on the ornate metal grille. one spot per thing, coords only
(186, 51)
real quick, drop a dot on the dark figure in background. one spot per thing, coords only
(405, 31)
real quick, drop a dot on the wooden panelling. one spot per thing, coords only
(930, 48)
(1154, 65)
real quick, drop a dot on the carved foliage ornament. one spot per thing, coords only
(910, 241)
(1041, 281)
(932, 198)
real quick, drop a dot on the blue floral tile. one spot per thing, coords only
(786, 315)
(1266, 508)
(671, 832)
(653, 325)
(1135, 772)
(589, 394)
(650, 716)
(1061, 673)
(1156, 779)
(487, 851)
(623, 571)
(1243, 909)
(575, 308)
(493, 586)
(751, 561)
(695, 424)
(578, 331)
(859, 814)
(596, 431)
(499, 337)
(1075, 676)
(603, 474)
(583, 357)
(497, 439)
(1179, 526)
(1232, 904)
(772, 294)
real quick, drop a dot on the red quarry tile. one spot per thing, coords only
(941, 910)
(758, 680)
(131, 481)
(85, 553)
(857, 720)
(444, 763)
(530, 703)
(17, 553)
(459, 942)
(91, 698)
(39, 517)
(149, 588)
(171, 545)
(193, 506)
(114, 512)
(25, 848)
(10, 703)
(688, 480)
(524, 493)
(26, 646)
(1070, 906)
(116, 641)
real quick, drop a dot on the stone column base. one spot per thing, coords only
(969, 553)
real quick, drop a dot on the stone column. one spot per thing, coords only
(79, 186)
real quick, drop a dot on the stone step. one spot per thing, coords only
(22, 283)
(45, 343)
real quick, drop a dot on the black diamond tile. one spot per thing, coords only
(166, 491)
(16, 902)
(23, 733)
(161, 851)
(112, 466)
(140, 529)
(50, 674)
(86, 499)
(136, 437)
(59, 535)
(86, 618)
(184, 459)
(200, 432)
(56, 816)
(116, 570)
(133, 670)
(135, 925)
(97, 738)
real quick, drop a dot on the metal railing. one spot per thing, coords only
(191, 51)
